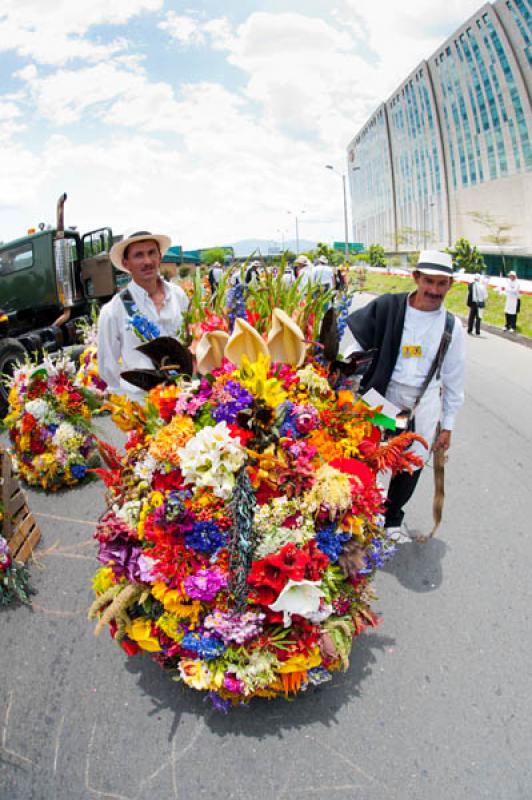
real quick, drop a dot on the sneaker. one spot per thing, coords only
(398, 534)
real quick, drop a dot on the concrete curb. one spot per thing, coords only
(526, 341)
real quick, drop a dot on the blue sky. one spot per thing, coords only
(203, 120)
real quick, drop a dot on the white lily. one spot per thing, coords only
(298, 597)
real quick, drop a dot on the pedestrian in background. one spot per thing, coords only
(303, 268)
(513, 303)
(215, 276)
(322, 274)
(477, 294)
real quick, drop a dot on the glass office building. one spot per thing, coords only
(455, 137)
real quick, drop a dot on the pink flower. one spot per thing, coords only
(205, 584)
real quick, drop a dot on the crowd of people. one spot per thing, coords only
(321, 273)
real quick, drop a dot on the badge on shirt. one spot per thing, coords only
(412, 351)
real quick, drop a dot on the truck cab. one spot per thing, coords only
(48, 281)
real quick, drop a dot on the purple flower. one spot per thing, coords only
(233, 684)
(218, 703)
(205, 584)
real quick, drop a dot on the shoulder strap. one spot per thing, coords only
(128, 302)
(435, 367)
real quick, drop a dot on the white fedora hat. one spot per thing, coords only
(434, 262)
(117, 250)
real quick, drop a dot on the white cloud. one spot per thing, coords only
(203, 162)
(185, 30)
(54, 33)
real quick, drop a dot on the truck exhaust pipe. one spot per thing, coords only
(64, 257)
(60, 216)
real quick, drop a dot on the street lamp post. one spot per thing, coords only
(346, 227)
(297, 228)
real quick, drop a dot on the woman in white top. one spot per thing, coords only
(511, 307)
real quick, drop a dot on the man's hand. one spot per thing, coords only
(443, 441)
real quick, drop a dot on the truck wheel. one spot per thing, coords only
(11, 354)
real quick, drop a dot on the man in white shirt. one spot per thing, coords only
(148, 299)
(322, 274)
(407, 329)
(303, 270)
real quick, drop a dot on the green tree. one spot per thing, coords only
(499, 231)
(323, 249)
(376, 255)
(212, 255)
(466, 256)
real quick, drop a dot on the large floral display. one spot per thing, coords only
(243, 529)
(14, 576)
(49, 425)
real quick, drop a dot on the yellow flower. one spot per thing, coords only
(254, 378)
(172, 600)
(156, 499)
(140, 631)
(195, 673)
(102, 580)
(171, 438)
(332, 490)
(168, 623)
(301, 663)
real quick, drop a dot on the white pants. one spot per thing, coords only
(427, 414)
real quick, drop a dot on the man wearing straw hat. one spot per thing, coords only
(419, 367)
(149, 306)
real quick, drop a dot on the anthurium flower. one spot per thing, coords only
(140, 631)
(298, 597)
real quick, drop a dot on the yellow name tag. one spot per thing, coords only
(412, 351)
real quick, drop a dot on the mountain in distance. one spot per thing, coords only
(264, 247)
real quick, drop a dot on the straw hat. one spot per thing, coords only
(117, 250)
(434, 262)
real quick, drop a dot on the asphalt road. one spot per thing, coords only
(436, 703)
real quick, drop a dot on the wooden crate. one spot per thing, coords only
(19, 527)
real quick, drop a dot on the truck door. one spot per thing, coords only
(98, 275)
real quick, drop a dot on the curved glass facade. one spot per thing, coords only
(458, 125)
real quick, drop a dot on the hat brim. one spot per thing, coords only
(117, 250)
(431, 270)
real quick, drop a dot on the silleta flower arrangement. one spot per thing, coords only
(244, 528)
(49, 425)
(14, 577)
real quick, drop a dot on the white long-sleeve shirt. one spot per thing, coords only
(512, 296)
(425, 329)
(116, 341)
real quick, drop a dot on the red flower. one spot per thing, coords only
(264, 574)
(36, 445)
(167, 407)
(350, 466)
(27, 423)
(252, 317)
(317, 561)
(290, 560)
(240, 433)
(167, 481)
